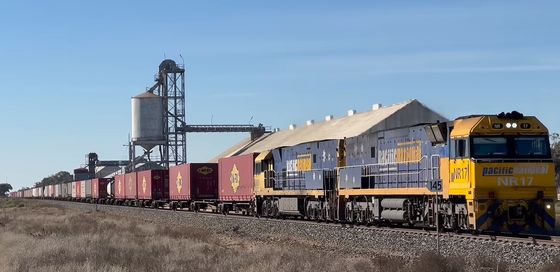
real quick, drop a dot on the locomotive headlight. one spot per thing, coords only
(514, 125)
(548, 206)
(508, 125)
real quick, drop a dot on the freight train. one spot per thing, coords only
(488, 173)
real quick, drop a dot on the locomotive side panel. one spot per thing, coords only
(302, 167)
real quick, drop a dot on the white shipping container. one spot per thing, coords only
(110, 186)
(87, 188)
(58, 190)
(74, 189)
(64, 190)
(83, 189)
(35, 192)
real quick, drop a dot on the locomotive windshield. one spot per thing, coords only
(531, 146)
(490, 147)
(510, 147)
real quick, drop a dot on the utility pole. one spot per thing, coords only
(435, 186)
(437, 222)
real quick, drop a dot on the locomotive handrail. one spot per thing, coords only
(296, 179)
(382, 164)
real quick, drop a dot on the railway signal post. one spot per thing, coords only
(436, 187)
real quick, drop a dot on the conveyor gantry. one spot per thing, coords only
(256, 131)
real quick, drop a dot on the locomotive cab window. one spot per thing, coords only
(459, 148)
(531, 146)
(511, 147)
(490, 147)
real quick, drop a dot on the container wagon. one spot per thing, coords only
(194, 186)
(236, 184)
(153, 188)
(99, 192)
(131, 189)
(119, 189)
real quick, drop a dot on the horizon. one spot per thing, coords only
(69, 69)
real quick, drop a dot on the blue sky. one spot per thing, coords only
(69, 69)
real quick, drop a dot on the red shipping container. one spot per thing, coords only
(236, 178)
(131, 191)
(193, 181)
(120, 186)
(99, 188)
(153, 184)
(78, 189)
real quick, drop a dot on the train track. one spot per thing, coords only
(527, 240)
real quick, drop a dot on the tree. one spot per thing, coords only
(59, 177)
(5, 188)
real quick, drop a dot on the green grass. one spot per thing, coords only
(11, 203)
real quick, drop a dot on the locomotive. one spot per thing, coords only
(495, 174)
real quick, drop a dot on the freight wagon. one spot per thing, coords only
(236, 184)
(131, 191)
(119, 189)
(193, 185)
(74, 195)
(99, 193)
(66, 190)
(57, 191)
(153, 188)
(85, 190)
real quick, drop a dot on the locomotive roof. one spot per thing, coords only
(483, 125)
(399, 115)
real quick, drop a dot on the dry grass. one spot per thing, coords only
(44, 238)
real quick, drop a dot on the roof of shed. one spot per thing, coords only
(340, 128)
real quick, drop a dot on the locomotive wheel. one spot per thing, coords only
(349, 216)
(275, 212)
(310, 213)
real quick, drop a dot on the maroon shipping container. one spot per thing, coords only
(99, 188)
(236, 178)
(193, 181)
(120, 185)
(153, 184)
(131, 191)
